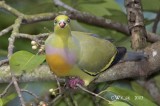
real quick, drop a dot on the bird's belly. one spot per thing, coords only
(60, 60)
(58, 64)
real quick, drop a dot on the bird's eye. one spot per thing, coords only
(55, 21)
(68, 20)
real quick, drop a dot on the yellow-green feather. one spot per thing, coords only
(93, 55)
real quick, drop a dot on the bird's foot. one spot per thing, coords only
(73, 81)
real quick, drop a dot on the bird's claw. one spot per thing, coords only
(73, 81)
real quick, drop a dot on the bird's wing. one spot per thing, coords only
(96, 54)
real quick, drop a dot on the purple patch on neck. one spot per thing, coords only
(67, 54)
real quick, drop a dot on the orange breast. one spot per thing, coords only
(58, 64)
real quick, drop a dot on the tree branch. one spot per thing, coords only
(61, 4)
(18, 90)
(136, 24)
(41, 73)
(6, 89)
(152, 37)
(2, 62)
(154, 28)
(9, 9)
(6, 30)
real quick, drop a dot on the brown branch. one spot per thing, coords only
(154, 28)
(136, 24)
(152, 37)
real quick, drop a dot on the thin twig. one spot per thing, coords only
(155, 25)
(11, 39)
(11, 10)
(74, 102)
(3, 62)
(60, 3)
(31, 93)
(68, 101)
(6, 30)
(6, 90)
(32, 37)
(55, 99)
(11, 45)
(58, 84)
(92, 93)
(18, 90)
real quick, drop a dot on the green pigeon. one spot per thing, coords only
(78, 54)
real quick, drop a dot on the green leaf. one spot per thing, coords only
(23, 60)
(151, 5)
(130, 97)
(98, 8)
(1, 103)
(117, 15)
(8, 98)
(140, 90)
(118, 103)
(157, 80)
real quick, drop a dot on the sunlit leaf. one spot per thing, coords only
(117, 15)
(118, 103)
(1, 103)
(98, 8)
(23, 60)
(8, 98)
(140, 90)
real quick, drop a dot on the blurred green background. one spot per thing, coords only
(110, 9)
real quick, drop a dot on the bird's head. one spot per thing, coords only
(62, 24)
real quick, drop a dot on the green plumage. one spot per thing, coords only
(96, 54)
(81, 54)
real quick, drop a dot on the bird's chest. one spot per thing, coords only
(60, 60)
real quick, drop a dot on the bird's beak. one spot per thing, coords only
(62, 24)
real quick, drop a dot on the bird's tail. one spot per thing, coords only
(124, 55)
(121, 51)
